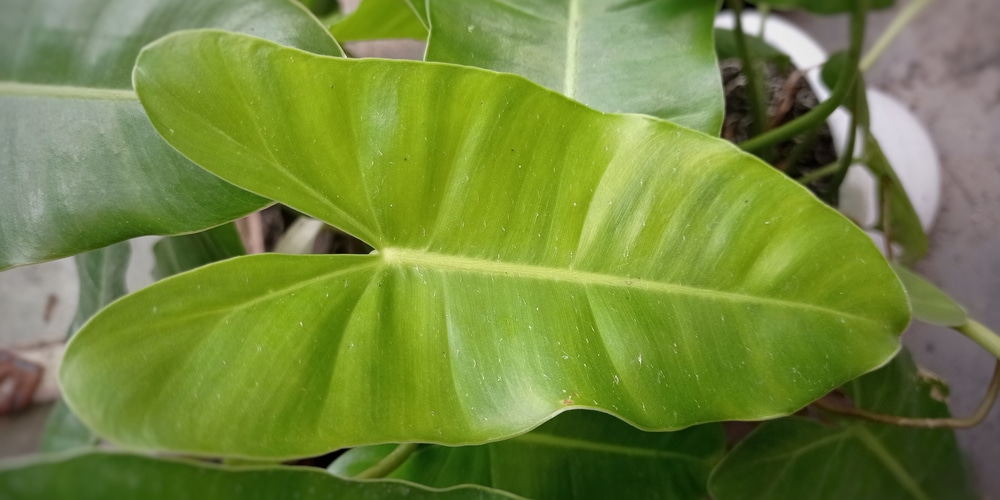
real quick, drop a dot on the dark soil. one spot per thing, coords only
(789, 96)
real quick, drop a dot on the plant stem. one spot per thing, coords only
(885, 186)
(983, 336)
(904, 18)
(841, 89)
(847, 156)
(391, 462)
(925, 423)
(819, 173)
(755, 89)
(765, 12)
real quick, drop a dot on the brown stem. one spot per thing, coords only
(251, 229)
(787, 98)
(924, 423)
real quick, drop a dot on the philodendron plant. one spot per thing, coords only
(573, 279)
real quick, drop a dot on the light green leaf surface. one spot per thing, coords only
(527, 248)
(383, 19)
(827, 6)
(106, 475)
(619, 56)
(928, 302)
(81, 166)
(101, 275)
(177, 254)
(575, 455)
(801, 458)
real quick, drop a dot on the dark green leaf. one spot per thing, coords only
(382, 19)
(81, 166)
(928, 302)
(576, 454)
(803, 458)
(668, 69)
(105, 475)
(177, 254)
(102, 280)
(827, 6)
(725, 47)
(527, 247)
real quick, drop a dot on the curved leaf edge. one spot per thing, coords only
(28, 461)
(152, 289)
(774, 173)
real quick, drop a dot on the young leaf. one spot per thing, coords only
(102, 475)
(928, 302)
(578, 453)
(526, 247)
(383, 19)
(81, 167)
(177, 254)
(802, 458)
(102, 280)
(669, 69)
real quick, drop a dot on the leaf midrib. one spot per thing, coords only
(420, 258)
(572, 48)
(617, 449)
(66, 91)
(896, 469)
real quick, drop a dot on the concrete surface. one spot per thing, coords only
(946, 68)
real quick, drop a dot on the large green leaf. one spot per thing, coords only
(577, 454)
(802, 458)
(382, 19)
(104, 475)
(177, 254)
(620, 56)
(81, 167)
(828, 6)
(528, 248)
(101, 276)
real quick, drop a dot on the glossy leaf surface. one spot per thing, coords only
(576, 454)
(665, 66)
(528, 247)
(802, 458)
(382, 19)
(81, 166)
(827, 6)
(177, 254)
(104, 475)
(101, 275)
(928, 302)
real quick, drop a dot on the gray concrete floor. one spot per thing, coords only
(946, 68)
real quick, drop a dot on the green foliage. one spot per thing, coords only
(382, 19)
(848, 458)
(577, 453)
(101, 275)
(177, 254)
(102, 475)
(81, 166)
(669, 70)
(928, 303)
(519, 261)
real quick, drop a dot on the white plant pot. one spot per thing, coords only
(905, 142)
